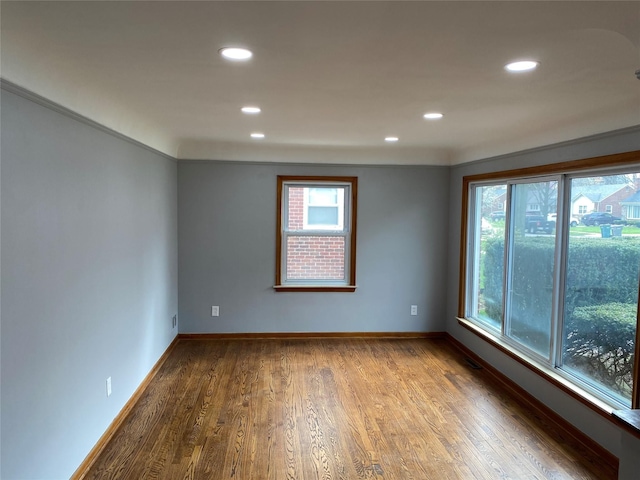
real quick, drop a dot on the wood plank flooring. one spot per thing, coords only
(333, 409)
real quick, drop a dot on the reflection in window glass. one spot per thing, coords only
(601, 292)
(532, 265)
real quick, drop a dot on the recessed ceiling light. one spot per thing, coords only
(257, 135)
(391, 139)
(251, 110)
(521, 66)
(433, 115)
(234, 53)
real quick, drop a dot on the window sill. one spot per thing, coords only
(543, 371)
(630, 420)
(315, 288)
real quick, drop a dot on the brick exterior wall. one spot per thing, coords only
(316, 258)
(313, 258)
(614, 200)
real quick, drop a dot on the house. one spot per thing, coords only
(599, 198)
(133, 193)
(631, 207)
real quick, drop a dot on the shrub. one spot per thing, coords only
(600, 304)
(602, 271)
(600, 343)
(598, 271)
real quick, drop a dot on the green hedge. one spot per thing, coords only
(600, 343)
(598, 271)
(601, 298)
(602, 271)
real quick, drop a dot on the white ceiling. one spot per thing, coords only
(332, 78)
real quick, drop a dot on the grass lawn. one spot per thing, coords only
(579, 231)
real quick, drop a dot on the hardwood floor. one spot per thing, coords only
(333, 409)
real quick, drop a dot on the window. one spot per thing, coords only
(582, 209)
(564, 298)
(316, 234)
(486, 288)
(323, 208)
(608, 209)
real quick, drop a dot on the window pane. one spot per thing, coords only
(324, 196)
(323, 216)
(315, 257)
(601, 291)
(323, 208)
(530, 293)
(488, 250)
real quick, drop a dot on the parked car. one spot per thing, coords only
(495, 216)
(573, 221)
(537, 223)
(600, 218)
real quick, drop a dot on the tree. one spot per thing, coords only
(607, 180)
(545, 195)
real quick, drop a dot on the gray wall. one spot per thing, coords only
(583, 418)
(227, 215)
(89, 272)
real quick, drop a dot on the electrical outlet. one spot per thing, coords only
(215, 311)
(109, 387)
(414, 309)
(174, 321)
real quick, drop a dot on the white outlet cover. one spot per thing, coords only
(215, 311)
(109, 387)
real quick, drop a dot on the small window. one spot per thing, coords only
(582, 209)
(316, 234)
(608, 209)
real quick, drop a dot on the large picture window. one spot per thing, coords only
(316, 233)
(559, 294)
